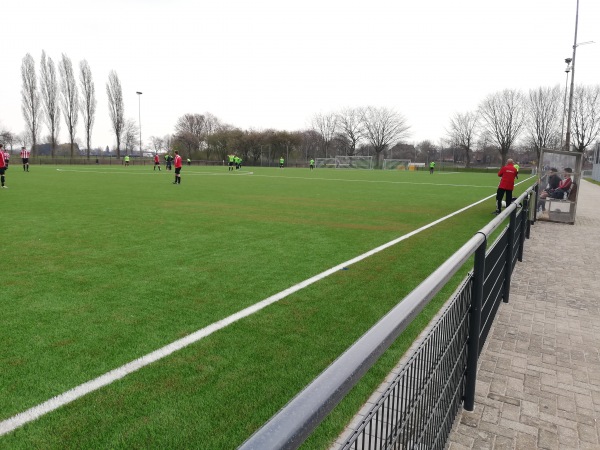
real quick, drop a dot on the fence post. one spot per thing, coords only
(510, 240)
(474, 324)
(524, 221)
(536, 198)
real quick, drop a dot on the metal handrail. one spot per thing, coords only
(298, 418)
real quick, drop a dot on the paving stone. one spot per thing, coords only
(525, 441)
(567, 437)
(587, 433)
(504, 443)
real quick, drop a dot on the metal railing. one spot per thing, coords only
(418, 408)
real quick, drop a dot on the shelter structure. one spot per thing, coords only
(559, 204)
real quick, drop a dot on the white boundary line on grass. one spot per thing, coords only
(18, 420)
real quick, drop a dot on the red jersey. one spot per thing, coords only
(508, 174)
(177, 162)
(2, 161)
(565, 184)
(156, 159)
(24, 153)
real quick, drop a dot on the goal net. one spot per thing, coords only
(325, 162)
(396, 164)
(346, 162)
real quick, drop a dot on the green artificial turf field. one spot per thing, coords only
(104, 264)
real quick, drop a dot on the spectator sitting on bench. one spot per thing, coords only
(564, 186)
(553, 182)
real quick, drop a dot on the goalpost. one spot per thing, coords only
(345, 162)
(396, 164)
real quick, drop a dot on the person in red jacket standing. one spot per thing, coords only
(506, 186)
(177, 168)
(156, 162)
(3, 166)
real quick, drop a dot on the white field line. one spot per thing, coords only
(18, 420)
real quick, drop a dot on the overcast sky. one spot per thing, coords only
(275, 64)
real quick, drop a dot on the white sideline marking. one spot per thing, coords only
(18, 420)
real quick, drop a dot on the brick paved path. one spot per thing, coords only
(538, 385)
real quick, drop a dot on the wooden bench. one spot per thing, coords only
(564, 208)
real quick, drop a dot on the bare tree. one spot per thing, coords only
(70, 98)
(189, 130)
(351, 126)
(544, 108)
(24, 139)
(168, 142)
(115, 107)
(310, 144)
(88, 102)
(586, 116)
(158, 143)
(211, 125)
(8, 138)
(326, 125)
(384, 127)
(50, 97)
(503, 115)
(463, 132)
(130, 136)
(429, 149)
(30, 100)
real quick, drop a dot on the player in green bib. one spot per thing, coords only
(126, 160)
(231, 162)
(312, 164)
(431, 167)
(281, 162)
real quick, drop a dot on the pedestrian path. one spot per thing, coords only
(538, 384)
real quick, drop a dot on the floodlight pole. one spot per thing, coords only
(139, 94)
(562, 131)
(568, 137)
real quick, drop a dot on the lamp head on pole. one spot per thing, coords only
(138, 93)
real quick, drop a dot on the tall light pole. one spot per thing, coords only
(568, 137)
(562, 131)
(575, 45)
(139, 94)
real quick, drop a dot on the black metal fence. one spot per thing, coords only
(419, 406)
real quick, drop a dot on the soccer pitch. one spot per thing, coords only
(105, 264)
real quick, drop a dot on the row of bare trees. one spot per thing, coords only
(58, 93)
(538, 118)
(346, 131)
(503, 119)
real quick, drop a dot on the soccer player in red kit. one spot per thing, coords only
(506, 186)
(3, 166)
(25, 159)
(177, 168)
(156, 162)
